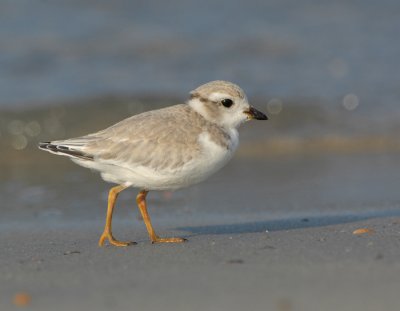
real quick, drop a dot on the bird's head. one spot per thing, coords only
(223, 103)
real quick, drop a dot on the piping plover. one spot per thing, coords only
(164, 149)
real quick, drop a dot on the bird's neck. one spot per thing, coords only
(197, 105)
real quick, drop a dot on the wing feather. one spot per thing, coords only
(158, 139)
(161, 140)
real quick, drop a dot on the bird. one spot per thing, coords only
(164, 149)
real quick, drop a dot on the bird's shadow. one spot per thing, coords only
(286, 223)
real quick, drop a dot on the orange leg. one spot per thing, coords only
(107, 234)
(141, 202)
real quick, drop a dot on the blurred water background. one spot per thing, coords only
(326, 73)
(66, 49)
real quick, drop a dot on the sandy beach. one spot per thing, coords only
(264, 234)
(303, 266)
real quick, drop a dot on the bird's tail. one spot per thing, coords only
(67, 148)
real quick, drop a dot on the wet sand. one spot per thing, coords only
(272, 231)
(270, 234)
(303, 266)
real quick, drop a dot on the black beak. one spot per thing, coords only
(253, 113)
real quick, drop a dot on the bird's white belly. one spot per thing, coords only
(211, 158)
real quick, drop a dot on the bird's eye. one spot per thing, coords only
(227, 102)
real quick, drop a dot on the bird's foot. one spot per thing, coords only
(112, 240)
(157, 239)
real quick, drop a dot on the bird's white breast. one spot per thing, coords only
(213, 156)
